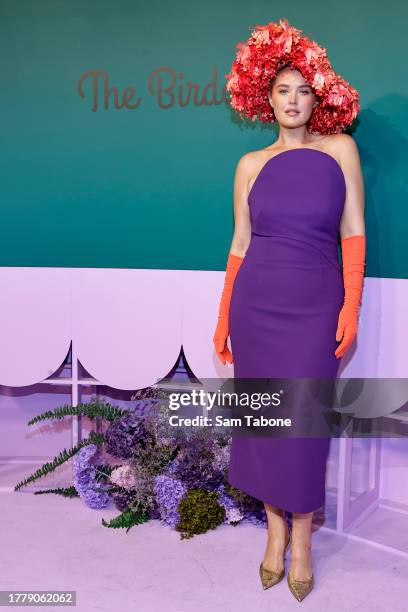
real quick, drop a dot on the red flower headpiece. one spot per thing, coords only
(269, 48)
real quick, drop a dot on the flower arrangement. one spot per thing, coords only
(178, 477)
(269, 48)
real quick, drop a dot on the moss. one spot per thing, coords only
(199, 511)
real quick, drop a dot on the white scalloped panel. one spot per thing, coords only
(127, 324)
(35, 323)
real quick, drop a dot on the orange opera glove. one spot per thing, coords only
(222, 331)
(353, 250)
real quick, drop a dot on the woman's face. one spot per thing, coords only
(290, 92)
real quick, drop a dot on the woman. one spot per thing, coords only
(286, 305)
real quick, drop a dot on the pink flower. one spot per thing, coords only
(318, 81)
(261, 36)
(335, 99)
(244, 53)
(124, 476)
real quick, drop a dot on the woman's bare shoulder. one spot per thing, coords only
(341, 145)
(252, 157)
(249, 163)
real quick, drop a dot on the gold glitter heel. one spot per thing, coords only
(300, 588)
(268, 577)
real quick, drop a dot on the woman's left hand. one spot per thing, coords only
(346, 329)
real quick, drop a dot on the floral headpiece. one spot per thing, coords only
(269, 48)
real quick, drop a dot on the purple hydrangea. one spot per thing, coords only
(169, 492)
(194, 465)
(96, 498)
(232, 513)
(124, 434)
(92, 493)
(84, 455)
(222, 457)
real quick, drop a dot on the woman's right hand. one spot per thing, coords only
(222, 332)
(220, 341)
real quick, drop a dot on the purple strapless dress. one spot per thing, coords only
(284, 311)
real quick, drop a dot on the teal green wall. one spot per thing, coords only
(152, 187)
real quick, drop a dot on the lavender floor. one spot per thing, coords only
(52, 543)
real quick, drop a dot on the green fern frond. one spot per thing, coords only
(103, 471)
(65, 492)
(50, 466)
(127, 519)
(91, 410)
